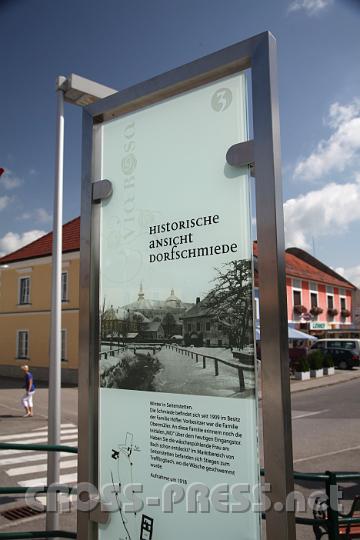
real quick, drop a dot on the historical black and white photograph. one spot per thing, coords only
(201, 346)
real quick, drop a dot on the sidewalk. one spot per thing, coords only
(341, 376)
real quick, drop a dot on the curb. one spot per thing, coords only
(328, 383)
(313, 387)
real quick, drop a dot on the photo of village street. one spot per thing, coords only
(201, 348)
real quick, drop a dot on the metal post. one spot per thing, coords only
(54, 417)
(276, 404)
(332, 501)
(241, 379)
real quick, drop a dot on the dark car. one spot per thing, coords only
(342, 358)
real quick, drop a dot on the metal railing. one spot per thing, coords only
(332, 522)
(11, 490)
(194, 354)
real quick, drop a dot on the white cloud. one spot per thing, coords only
(352, 274)
(4, 201)
(9, 180)
(40, 215)
(13, 241)
(340, 149)
(311, 7)
(326, 211)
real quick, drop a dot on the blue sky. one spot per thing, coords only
(122, 42)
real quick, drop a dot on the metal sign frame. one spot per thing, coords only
(259, 54)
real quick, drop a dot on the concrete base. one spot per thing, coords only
(68, 376)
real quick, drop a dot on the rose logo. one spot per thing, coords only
(128, 164)
(221, 100)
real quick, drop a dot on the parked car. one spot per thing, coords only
(342, 358)
(350, 344)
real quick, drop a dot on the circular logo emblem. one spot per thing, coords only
(128, 164)
(221, 100)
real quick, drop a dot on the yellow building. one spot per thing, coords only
(25, 303)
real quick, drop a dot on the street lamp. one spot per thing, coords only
(78, 91)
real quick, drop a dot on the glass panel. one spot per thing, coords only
(335, 345)
(297, 298)
(24, 290)
(176, 245)
(22, 344)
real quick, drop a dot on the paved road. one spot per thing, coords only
(326, 433)
(29, 469)
(326, 436)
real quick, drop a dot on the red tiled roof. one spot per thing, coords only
(299, 264)
(42, 247)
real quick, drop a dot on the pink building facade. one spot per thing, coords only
(318, 298)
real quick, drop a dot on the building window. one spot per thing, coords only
(207, 326)
(24, 290)
(189, 327)
(313, 299)
(296, 283)
(198, 327)
(297, 298)
(313, 286)
(343, 304)
(64, 287)
(63, 345)
(330, 305)
(22, 344)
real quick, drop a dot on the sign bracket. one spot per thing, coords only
(101, 190)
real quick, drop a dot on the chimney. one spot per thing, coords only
(198, 299)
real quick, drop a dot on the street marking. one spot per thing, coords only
(5, 438)
(317, 456)
(45, 439)
(64, 479)
(26, 458)
(62, 426)
(39, 468)
(24, 452)
(304, 415)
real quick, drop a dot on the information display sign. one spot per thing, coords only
(178, 432)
